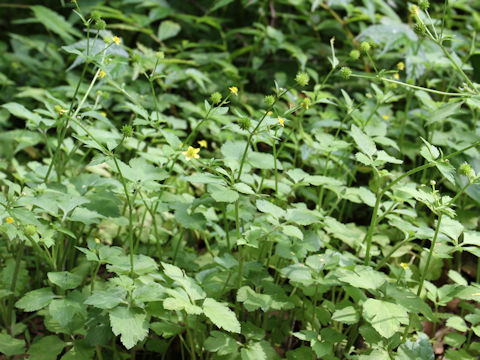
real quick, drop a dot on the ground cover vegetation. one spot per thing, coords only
(239, 179)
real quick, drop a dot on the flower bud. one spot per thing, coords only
(30, 230)
(424, 4)
(100, 24)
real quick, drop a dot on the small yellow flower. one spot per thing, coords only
(116, 40)
(191, 153)
(102, 74)
(396, 76)
(9, 220)
(97, 240)
(202, 143)
(401, 66)
(404, 266)
(385, 117)
(233, 90)
(104, 114)
(306, 104)
(281, 121)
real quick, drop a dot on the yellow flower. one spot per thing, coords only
(191, 153)
(233, 90)
(401, 66)
(102, 74)
(396, 76)
(385, 117)
(404, 266)
(116, 40)
(281, 121)
(202, 143)
(104, 114)
(9, 220)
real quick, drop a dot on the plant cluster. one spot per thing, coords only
(246, 180)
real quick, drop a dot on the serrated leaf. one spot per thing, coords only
(221, 315)
(64, 279)
(130, 323)
(47, 348)
(35, 299)
(384, 316)
(168, 29)
(10, 346)
(107, 299)
(363, 141)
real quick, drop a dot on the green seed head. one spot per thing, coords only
(346, 72)
(355, 54)
(215, 98)
(30, 230)
(302, 79)
(424, 4)
(269, 100)
(244, 123)
(127, 130)
(100, 24)
(365, 46)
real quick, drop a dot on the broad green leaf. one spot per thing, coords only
(363, 141)
(64, 279)
(428, 151)
(107, 299)
(457, 323)
(220, 343)
(63, 310)
(347, 315)
(35, 299)
(54, 22)
(221, 315)
(297, 272)
(168, 29)
(22, 112)
(385, 317)
(10, 346)
(46, 348)
(222, 194)
(166, 329)
(363, 277)
(421, 349)
(253, 351)
(269, 208)
(130, 323)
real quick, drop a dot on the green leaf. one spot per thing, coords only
(263, 161)
(347, 315)
(428, 151)
(221, 315)
(222, 194)
(269, 208)
(22, 112)
(363, 277)
(130, 323)
(54, 22)
(297, 272)
(35, 299)
(220, 343)
(363, 141)
(10, 346)
(384, 316)
(168, 29)
(457, 323)
(219, 4)
(421, 349)
(64, 279)
(47, 348)
(166, 329)
(253, 351)
(107, 299)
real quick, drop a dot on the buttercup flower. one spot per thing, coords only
(233, 90)
(191, 153)
(281, 121)
(9, 220)
(404, 266)
(396, 76)
(202, 143)
(385, 117)
(116, 40)
(102, 74)
(401, 66)
(104, 114)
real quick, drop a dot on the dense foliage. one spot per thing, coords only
(246, 179)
